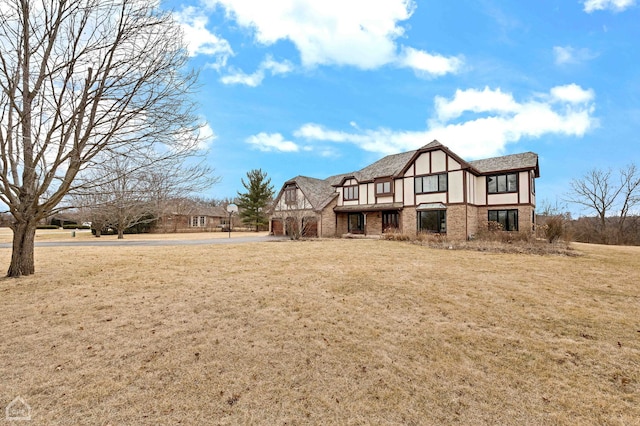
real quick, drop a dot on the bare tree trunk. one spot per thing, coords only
(22, 263)
(120, 233)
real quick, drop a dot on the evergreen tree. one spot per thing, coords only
(253, 203)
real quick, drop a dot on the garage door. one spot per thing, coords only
(276, 227)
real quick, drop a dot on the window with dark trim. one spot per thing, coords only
(507, 218)
(384, 188)
(290, 194)
(431, 183)
(355, 223)
(498, 184)
(533, 183)
(434, 221)
(351, 192)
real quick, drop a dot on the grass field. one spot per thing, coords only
(322, 332)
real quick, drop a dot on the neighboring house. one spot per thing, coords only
(427, 190)
(192, 217)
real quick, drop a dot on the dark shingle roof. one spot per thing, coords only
(320, 192)
(317, 191)
(390, 165)
(526, 160)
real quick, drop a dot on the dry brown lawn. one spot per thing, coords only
(323, 332)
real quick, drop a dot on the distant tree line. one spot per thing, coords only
(611, 199)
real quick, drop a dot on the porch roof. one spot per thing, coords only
(368, 207)
(431, 206)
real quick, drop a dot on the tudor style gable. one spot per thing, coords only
(430, 189)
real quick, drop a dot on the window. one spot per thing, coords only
(432, 183)
(351, 192)
(355, 223)
(198, 221)
(533, 183)
(432, 221)
(507, 218)
(497, 184)
(390, 220)
(383, 188)
(290, 194)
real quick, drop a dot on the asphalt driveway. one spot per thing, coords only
(149, 243)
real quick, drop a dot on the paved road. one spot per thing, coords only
(149, 243)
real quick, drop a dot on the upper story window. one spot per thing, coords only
(351, 192)
(498, 184)
(290, 194)
(384, 188)
(533, 183)
(431, 183)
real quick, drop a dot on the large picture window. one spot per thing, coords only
(432, 221)
(432, 183)
(351, 193)
(507, 218)
(498, 184)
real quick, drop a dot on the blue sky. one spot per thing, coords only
(320, 87)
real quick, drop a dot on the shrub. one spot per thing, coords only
(553, 229)
(75, 226)
(395, 235)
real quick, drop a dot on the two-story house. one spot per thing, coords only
(427, 190)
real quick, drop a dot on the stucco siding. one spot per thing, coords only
(439, 197)
(422, 164)
(398, 188)
(502, 199)
(438, 161)
(481, 190)
(456, 187)
(409, 186)
(454, 165)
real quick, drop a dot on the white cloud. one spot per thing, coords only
(255, 79)
(428, 64)
(207, 136)
(359, 33)
(570, 55)
(268, 142)
(572, 93)
(565, 110)
(200, 41)
(613, 5)
(474, 101)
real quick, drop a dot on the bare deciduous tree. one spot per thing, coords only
(123, 193)
(609, 196)
(80, 78)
